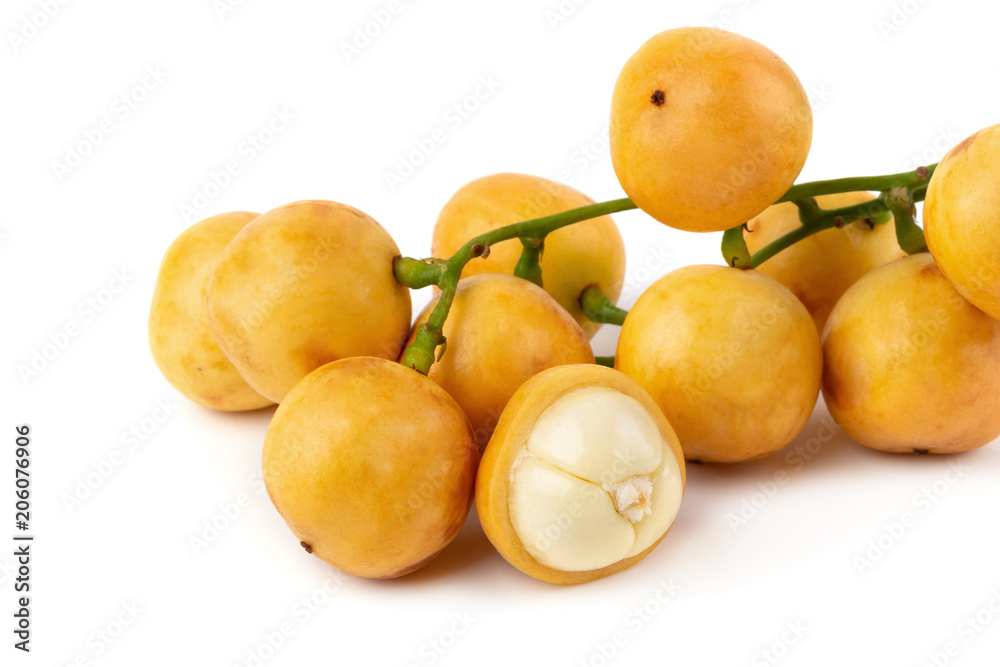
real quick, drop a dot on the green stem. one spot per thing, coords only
(734, 249)
(445, 273)
(599, 308)
(908, 179)
(528, 264)
(605, 361)
(420, 354)
(912, 186)
(419, 272)
(909, 236)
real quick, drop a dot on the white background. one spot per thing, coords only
(887, 97)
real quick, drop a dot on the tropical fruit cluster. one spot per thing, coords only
(577, 469)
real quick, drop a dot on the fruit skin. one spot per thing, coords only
(911, 366)
(588, 253)
(501, 331)
(962, 218)
(520, 415)
(371, 465)
(305, 284)
(731, 357)
(182, 344)
(820, 268)
(727, 139)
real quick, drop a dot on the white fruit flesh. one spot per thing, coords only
(596, 482)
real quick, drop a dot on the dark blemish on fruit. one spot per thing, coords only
(308, 547)
(921, 451)
(697, 462)
(869, 222)
(658, 98)
(964, 144)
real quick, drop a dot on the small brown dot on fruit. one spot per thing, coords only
(870, 223)
(306, 546)
(658, 98)
(921, 451)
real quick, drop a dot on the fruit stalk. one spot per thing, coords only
(910, 186)
(599, 308)
(416, 273)
(909, 236)
(734, 248)
(529, 265)
(420, 355)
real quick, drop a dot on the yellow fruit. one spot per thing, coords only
(911, 366)
(583, 477)
(501, 331)
(708, 128)
(962, 218)
(179, 336)
(731, 357)
(575, 257)
(305, 284)
(820, 268)
(371, 465)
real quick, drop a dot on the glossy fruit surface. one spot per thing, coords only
(708, 128)
(371, 465)
(820, 268)
(911, 366)
(305, 284)
(731, 357)
(962, 218)
(182, 344)
(582, 478)
(501, 331)
(575, 257)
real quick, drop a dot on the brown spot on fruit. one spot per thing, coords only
(963, 145)
(921, 451)
(658, 98)
(929, 270)
(306, 546)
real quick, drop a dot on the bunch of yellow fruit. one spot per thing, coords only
(374, 456)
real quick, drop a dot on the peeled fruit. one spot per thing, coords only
(820, 268)
(911, 366)
(501, 331)
(305, 284)
(708, 128)
(962, 218)
(574, 258)
(371, 465)
(582, 478)
(183, 346)
(731, 357)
